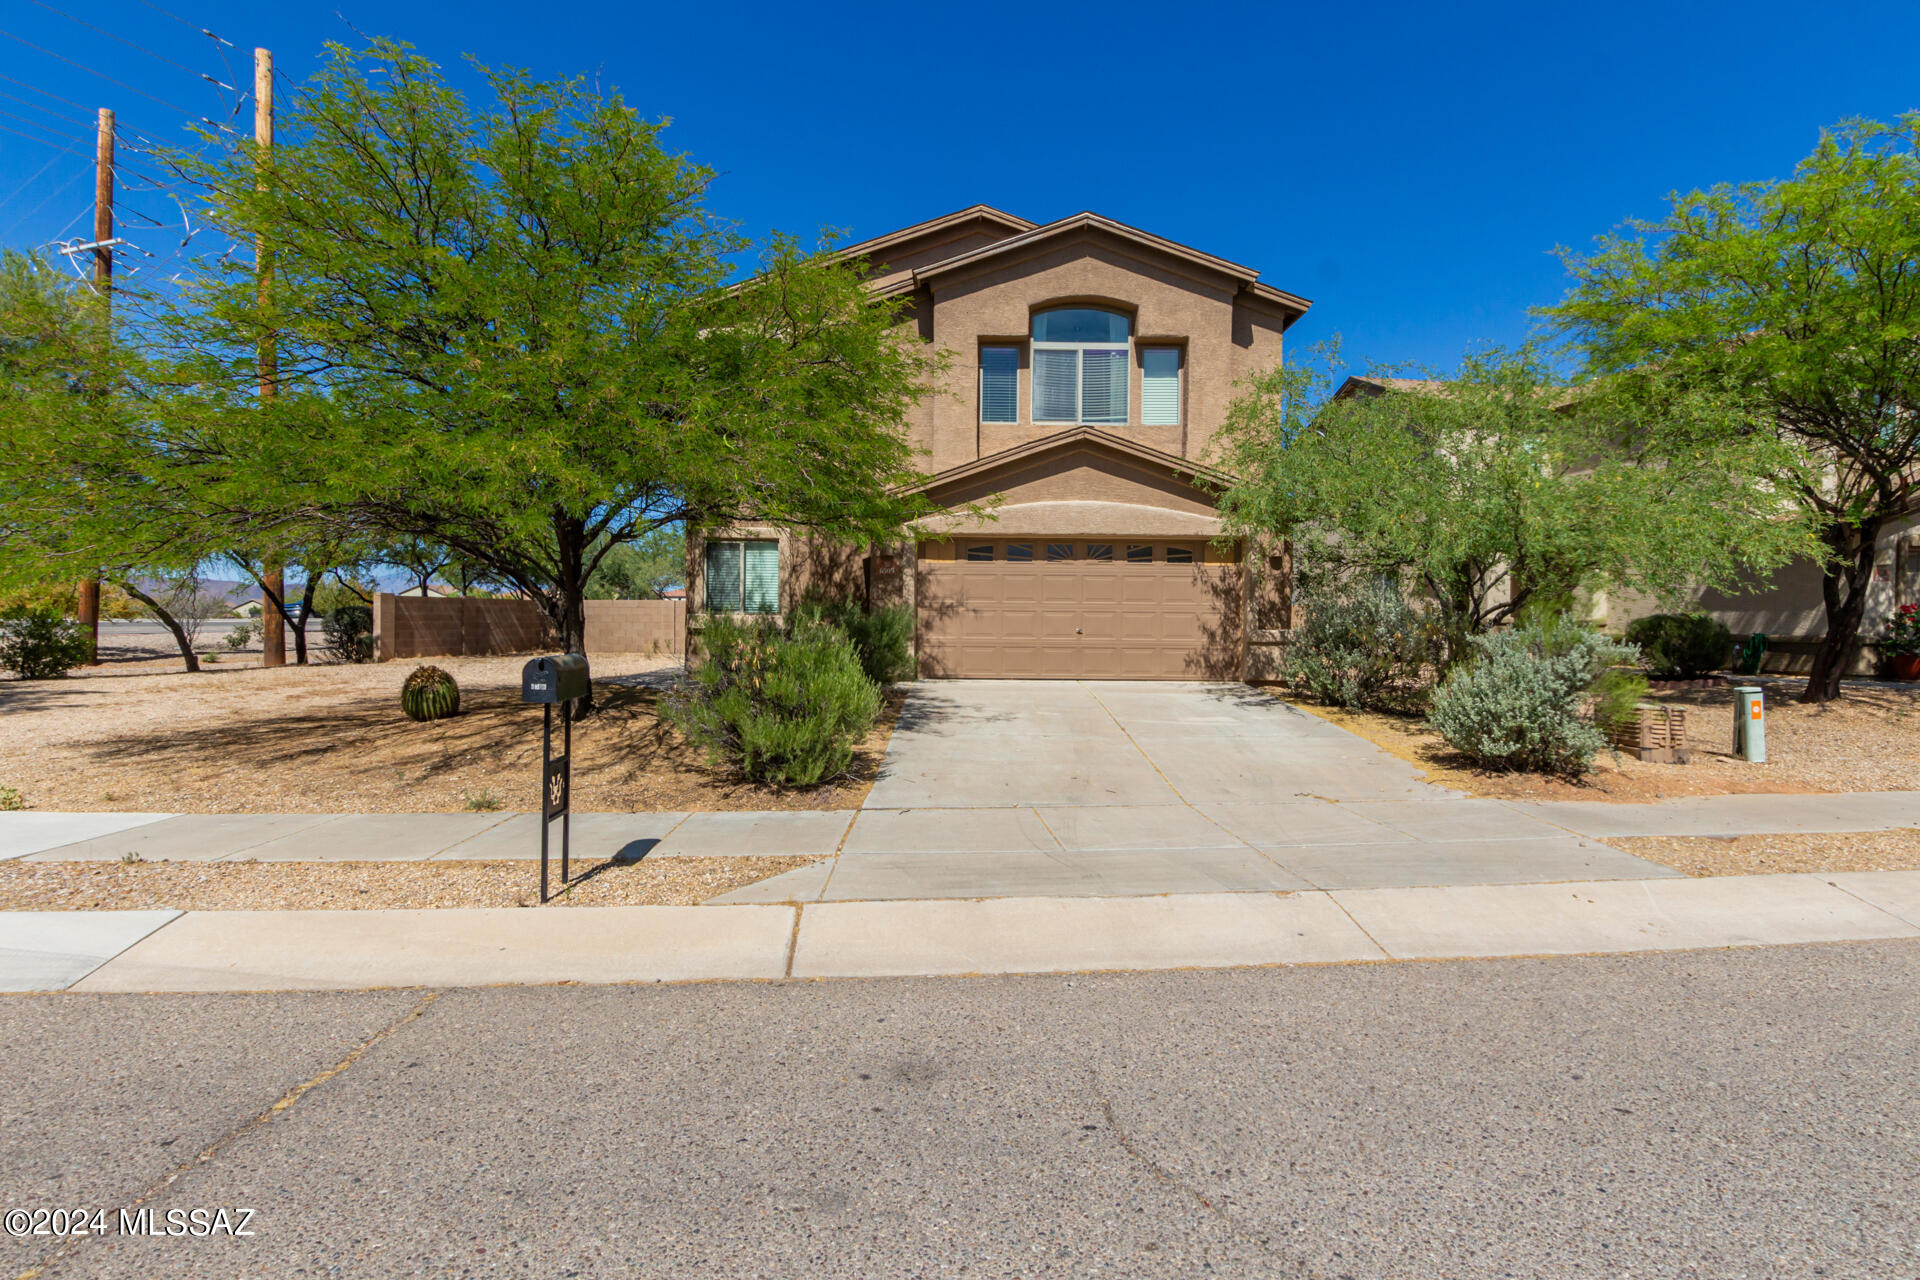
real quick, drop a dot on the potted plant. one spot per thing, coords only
(1901, 643)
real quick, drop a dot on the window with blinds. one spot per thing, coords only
(999, 384)
(760, 574)
(1056, 385)
(743, 576)
(723, 577)
(1160, 387)
(1081, 366)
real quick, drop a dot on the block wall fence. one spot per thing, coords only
(463, 627)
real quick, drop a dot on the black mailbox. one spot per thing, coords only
(561, 678)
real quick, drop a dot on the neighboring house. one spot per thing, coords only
(1787, 606)
(1091, 363)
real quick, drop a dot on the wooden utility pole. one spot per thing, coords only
(103, 282)
(273, 628)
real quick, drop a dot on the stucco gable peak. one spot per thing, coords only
(1086, 220)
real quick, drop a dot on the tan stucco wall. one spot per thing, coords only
(1224, 332)
(1789, 602)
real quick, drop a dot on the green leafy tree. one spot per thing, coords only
(85, 491)
(1503, 487)
(421, 559)
(508, 329)
(1804, 294)
(642, 569)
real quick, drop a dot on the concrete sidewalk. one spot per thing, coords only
(1284, 824)
(1748, 815)
(262, 951)
(1013, 851)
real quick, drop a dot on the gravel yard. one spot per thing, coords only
(366, 886)
(1867, 741)
(1777, 855)
(327, 738)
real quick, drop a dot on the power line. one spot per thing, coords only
(47, 201)
(29, 182)
(42, 141)
(130, 44)
(37, 89)
(34, 106)
(35, 124)
(189, 25)
(171, 106)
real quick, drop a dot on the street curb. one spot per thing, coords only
(208, 951)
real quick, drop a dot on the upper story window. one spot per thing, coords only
(999, 384)
(1160, 386)
(1081, 359)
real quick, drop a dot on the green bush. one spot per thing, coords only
(785, 708)
(1361, 646)
(349, 633)
(1531, 695)
(42, 645)
(1681, 646)
(882, 637)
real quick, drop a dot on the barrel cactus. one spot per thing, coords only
(429, 694)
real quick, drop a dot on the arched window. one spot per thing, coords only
(1081, 356)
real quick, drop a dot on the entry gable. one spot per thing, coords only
(1081, 481)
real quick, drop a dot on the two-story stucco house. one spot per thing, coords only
(1091, 363)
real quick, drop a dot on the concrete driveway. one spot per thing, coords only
(986, 743)
(1010, 788)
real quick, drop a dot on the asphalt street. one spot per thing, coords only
(1749, 1113)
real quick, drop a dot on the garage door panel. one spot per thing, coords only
(1078, 618)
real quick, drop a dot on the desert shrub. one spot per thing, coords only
(780, 707)
(882, 637)
(430, 694)
(242, 635)
(11, 799)
(1681, 646)
(42, 645)
(348, 631)
(1530, 696)
(1361, 645)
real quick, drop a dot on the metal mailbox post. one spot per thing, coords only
(556, 681)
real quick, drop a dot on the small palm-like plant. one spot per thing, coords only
(429, 694)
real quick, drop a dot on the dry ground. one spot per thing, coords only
(237, 738)
(1868, 741)
(367, 886)
(1777, 855)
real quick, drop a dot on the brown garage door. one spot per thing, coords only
(1102, 609)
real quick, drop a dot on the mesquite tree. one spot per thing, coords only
(513, 329)
(1503, 486)
(1805, 294)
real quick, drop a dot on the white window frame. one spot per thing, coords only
(1079, 418)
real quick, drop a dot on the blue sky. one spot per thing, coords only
(1408, 167)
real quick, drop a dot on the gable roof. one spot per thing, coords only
(1367, 384)
(1184, 468)
(1246, 277)
(1011, 223)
